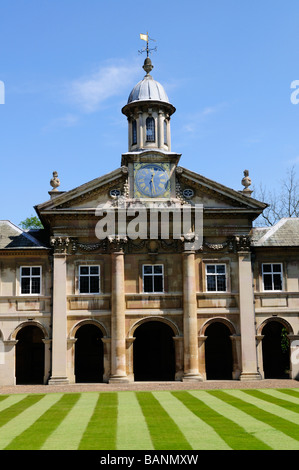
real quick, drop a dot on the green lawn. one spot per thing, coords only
(162, 420)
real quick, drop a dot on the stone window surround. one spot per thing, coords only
(92, 262)
(215, 275)
(89, 275)
(147, 261)
(153, 275)
(282, 275)
(203, 282)
(40, 276)
(17, 284)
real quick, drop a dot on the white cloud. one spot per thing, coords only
(69, 120)
(195, 120)
(111, 79)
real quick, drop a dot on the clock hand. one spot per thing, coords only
(152, 183)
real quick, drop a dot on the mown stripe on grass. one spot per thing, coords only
(276, 399)
(18, 407)
(11, 400)
(165, 434)
(27, 417)
(268, 413)
(68, 434)
(100, 433)
(132, 431)
(36, 434)
(221, 419)
(289, 392)
(3, 397)
(198, 433)
(264, 405)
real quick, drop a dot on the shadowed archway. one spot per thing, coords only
(30, 355)
(89, 364)
(276, 351)
(218, 352)
(154, 352)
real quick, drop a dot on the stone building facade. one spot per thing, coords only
(108, 291)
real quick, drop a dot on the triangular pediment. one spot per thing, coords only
(213, 195)
(88, 195)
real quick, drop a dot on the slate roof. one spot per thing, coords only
(12, 237)
(284, 233)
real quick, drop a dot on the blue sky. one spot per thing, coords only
(69, 65)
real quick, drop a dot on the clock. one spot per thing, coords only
(151, 180)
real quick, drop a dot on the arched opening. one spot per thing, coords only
(30, 356)
(150, 129)
(89, 363)
(218, 352)
(134, 132)
(276, 351)
(153, 352)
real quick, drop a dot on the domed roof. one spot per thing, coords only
(148, 89)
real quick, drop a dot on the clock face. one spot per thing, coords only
(152, 180)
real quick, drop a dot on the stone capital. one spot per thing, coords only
(60, 244)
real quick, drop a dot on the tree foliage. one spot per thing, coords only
(32, 222)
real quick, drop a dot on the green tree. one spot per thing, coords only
(32, 222)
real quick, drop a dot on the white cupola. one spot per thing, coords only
(148, 111)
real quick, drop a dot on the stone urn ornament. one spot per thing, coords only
(54, 182)
(246, 182)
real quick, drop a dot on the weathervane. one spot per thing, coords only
(145, 37)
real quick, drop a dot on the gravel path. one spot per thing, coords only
(134, 386)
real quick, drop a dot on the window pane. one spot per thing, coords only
(211, 283)
(84, 269)
(221, 284)
(210, 268)
(94, 284)
(148, 284)
(277, 282)
(25, 285)
(150, 129)
(158, 269)
(158, 283)
(35, 285)
(84, 285)
(267, 268)
(134, 132)
(147, 269)
(220, 268)
(277, 268)
(267, 282)
(35, 271)
(94, 269)
(25, 271)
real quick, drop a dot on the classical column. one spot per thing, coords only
(202, 356)
(140, 133)
(59, 315)
(160, 129)
(190, 318)
(247, 315)
(118, 333)
(294, 356)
